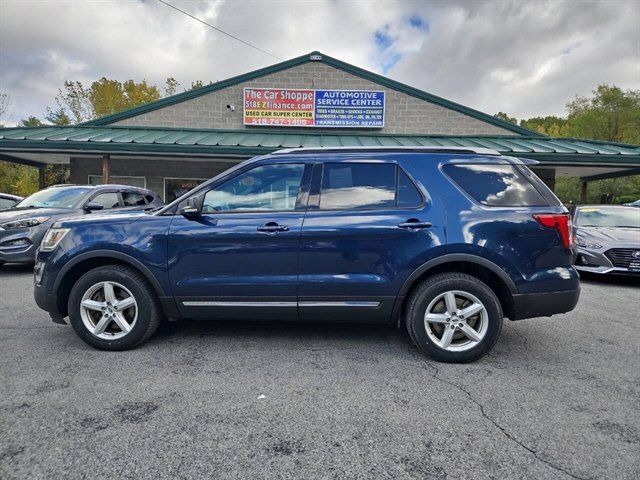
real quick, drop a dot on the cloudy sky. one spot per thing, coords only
(525, 58)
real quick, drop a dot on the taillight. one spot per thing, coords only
(561, 222)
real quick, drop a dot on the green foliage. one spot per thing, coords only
(506, 118)
(23, 180)
(30, 122)
(550, 125)
(170, 86)
(611, 190)
(57, 117)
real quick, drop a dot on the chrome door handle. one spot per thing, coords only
(273, 227)
(415, 225)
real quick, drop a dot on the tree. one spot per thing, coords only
(506, 118)
(610, 114)
(549, 125)
(57, 117)
(170, 86)
(75, 98)
(30, 122)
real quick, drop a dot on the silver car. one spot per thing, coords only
(607, 239)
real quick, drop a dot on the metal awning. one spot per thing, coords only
(51, 144)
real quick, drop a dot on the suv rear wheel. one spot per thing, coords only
(113, 308)
(454, 317)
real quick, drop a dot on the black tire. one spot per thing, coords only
(149, 313)
(429, 290)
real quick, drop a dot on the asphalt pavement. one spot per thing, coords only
(557, 398)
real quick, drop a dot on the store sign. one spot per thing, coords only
(314, 108)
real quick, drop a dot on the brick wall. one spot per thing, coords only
(404, 114)
(154, 170)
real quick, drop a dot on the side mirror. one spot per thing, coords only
(191, 209)
(93, 206)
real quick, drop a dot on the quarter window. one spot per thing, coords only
(269, 188)
(408, 194)
(358, 185)
(496, 185)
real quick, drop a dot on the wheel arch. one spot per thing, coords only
(81, 264)
(487, 271)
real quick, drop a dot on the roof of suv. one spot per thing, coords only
(108, 185)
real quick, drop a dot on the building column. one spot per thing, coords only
(106, 168)
(583, 192)
(41, 178)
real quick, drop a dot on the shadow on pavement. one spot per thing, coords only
(622, 280)
(13, 268)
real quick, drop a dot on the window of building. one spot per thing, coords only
(176, 187)
(495, 185)
(358, 185)
(268, 188)
(107, 200)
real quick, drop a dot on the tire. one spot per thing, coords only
(468, 292)
(142, 318)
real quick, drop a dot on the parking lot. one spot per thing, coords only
(557, 398)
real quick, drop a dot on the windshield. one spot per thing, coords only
(54, 198)
(608, 217)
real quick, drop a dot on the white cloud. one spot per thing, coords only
(522, 58)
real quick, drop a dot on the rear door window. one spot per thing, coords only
(347, 186)
(496, 185)
(107, 200)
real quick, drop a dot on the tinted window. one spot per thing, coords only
(149, 198)
(496, 185)
(270, 187)
(107, 200)
(132, 199)
(65, 197)
(408, 194)
(358, 185)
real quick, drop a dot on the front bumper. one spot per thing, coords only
(599, 261)
(20, 245)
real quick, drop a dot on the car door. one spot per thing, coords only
(366, 226)
(109, 199)
(239, 258)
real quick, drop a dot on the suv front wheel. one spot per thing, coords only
(113, 308)
(454, 317)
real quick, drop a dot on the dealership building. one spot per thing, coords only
(314, 100)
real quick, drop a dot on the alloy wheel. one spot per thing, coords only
(456, 321)
(108, 310)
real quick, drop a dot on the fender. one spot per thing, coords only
(458, 257)
(110, 254)
(448, 258)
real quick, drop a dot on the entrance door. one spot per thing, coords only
(239, 258)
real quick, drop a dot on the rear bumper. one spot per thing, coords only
(533, 305)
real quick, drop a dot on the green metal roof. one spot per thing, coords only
(246, 143)
(322, 58)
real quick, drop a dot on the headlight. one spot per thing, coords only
(23, 223)
(583, 243)
(52, 238)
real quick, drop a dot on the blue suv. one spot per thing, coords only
(445, 241)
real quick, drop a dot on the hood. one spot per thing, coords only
(20, 213)
(609, 235)
(119, 217)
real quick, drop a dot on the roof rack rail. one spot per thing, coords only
(416, 149)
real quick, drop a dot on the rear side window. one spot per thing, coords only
(408, 194)
(496, 185)
(132, 199)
